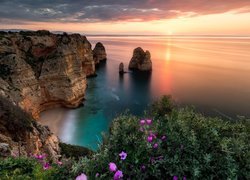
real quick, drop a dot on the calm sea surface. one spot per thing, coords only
(211, 73)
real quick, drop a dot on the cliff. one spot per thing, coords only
(40, 70)
(141, 60)
(20, 135)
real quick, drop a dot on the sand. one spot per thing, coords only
(54, 119)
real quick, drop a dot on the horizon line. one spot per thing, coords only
(168, 35)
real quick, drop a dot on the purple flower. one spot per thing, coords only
(163, 138)
(152, 134)
(155, 145)
(175, 178)
(142, 122)
(97, 175)
(149, 121)
(143, 167)
(184, 178)
(112, 167)
(46, 166)
(123, 155)
(82, 177)
(118, 175)
(141, 129)
(150, 139)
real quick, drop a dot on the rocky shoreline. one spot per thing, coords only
(40, 70)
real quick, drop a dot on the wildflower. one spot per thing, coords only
(141, 129)
(184, 178)
(143, 167)
(152, 134)
(123, 155)
(150, 139)
(155, 145)
(82, 177)
(175, 178)
(163, 138)
(142, 122)
(118, 175)
(112, 167)
(59, 163)
(46, 166)
(149, 121)
(97, 175)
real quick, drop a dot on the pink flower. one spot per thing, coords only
(118, 175)
(155, 145)
(149, 121)
(142, 122)
(150, 139)
(97, 175)
(82, 177)
(112, 167)
(59, 163)
(46, 166)
(163, 138)
(175, 178)
(123, 155)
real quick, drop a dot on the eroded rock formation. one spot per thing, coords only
(141, 60)
(41, 70)
(121, 68)
(99, 53)
(20, 135)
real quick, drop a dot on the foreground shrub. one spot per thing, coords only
(176, 143)
(74, 151)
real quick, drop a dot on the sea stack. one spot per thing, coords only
(121, 68)
(99, 53)
(141, 60)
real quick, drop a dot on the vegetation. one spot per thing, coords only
(73, 151)
(168, 143)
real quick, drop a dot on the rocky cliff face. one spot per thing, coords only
(20, 135)
(141, 60)
(41, 70)
(99, 53)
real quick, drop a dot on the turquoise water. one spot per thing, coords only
(211, 73)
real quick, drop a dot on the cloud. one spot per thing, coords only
(113, 10)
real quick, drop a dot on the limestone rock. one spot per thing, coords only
(40, 70)
(4, 150)
(21, 135)
(121, 68)
(141, 60)
(99, 53)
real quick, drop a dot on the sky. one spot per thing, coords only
(140, 17)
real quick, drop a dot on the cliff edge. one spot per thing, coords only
(41, 70)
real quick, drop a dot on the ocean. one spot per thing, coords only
(211, 73)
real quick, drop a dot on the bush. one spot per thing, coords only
(24, 168)
(185, 145)
(74, 151)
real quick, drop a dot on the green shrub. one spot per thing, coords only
(195, 147)
(74, 151)
(24, 168)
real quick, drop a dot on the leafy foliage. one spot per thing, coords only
(74, 151)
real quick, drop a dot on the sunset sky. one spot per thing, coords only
(163, 17)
